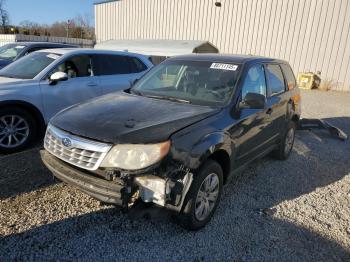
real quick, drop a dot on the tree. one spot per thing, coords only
(83, 22)
(79, 27)
(4, 17)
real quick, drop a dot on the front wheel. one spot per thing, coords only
(203, 197)
(17, 129)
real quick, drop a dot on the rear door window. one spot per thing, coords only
(289, 75)
(276, 79)
(111, 65)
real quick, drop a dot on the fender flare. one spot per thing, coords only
(211, 144)
(26, 106)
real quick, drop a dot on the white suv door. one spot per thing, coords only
(117, 72)
(81, 85)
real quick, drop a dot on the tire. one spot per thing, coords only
(23, 129)
(188, 217)
(287, 142)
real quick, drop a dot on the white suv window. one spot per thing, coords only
(105, 64)
(76, 66)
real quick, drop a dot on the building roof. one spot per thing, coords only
(104, 2)
(229, 58)
(159, 47)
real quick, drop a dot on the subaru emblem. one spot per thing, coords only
(66, 142)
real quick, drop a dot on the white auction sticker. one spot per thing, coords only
(20, 47)
(53, 56)
(224, 66)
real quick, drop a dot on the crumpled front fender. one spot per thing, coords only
(193, 157)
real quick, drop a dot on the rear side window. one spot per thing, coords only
(110, 65)
(289, 75)
(117, 65)
(276, 79)
(136, 65)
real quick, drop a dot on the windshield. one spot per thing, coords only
(10, 51)
(29, 66)
(196, 82)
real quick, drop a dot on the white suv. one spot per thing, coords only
(36, 87)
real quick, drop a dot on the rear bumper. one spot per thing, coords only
(103, 190)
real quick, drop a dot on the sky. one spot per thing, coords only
(47, 11)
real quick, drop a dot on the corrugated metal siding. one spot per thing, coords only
(313, 35)
(6, 39)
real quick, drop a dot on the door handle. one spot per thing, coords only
(269, 111)
(91, 84)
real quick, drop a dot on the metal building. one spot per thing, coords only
(313, 35)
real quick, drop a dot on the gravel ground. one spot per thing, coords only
(296, 210)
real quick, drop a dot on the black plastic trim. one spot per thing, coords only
(100, 189)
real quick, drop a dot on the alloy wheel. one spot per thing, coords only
(14, 131)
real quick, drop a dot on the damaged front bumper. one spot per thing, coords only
(124, 190)
(105, 191)
(166, 192)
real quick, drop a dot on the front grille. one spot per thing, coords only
(80, 152)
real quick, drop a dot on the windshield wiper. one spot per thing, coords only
(174, 99)
(178, 100)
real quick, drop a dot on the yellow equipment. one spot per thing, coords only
(308, 80)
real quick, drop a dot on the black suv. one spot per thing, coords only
(14, 51)
(179, 134)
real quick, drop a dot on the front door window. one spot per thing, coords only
(76, 66)
(255, 81)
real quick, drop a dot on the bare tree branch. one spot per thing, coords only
(79, 27)
(4, 17)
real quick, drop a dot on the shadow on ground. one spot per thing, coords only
(110, 235)
(22, 172)
(241, 229)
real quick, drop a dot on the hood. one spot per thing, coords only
(5, 80)
(126, 118)
(10, 83)
(4, 62)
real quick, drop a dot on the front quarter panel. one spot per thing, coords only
(194, 144)
(28, 91)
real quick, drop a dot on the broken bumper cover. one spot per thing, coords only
(307, 124)
(105, 191)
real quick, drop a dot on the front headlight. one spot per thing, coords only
(133, 157)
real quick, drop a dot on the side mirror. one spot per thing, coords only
(253, 101)
(57, 77)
